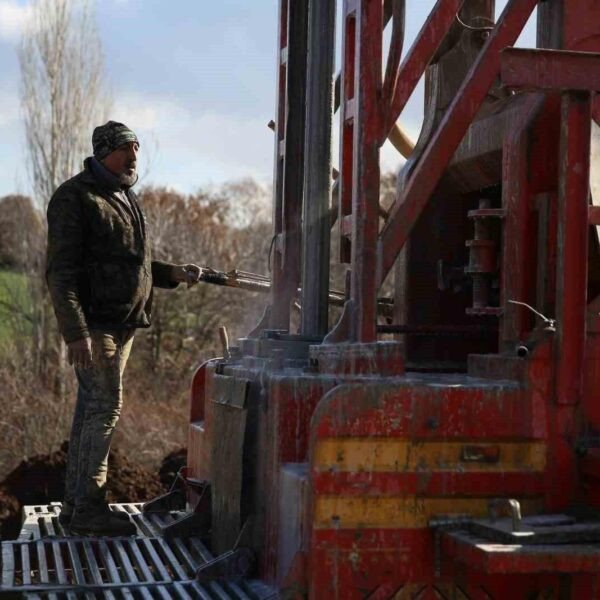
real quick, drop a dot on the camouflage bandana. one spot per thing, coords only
(109, 137)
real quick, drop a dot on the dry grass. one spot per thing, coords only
(32, 419)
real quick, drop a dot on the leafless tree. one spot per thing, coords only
(62, 90)
(63, 95)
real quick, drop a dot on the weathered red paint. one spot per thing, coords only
(365, 168)
(338, 416)
(418, 57)
(550, 69)
(574, 190)
(464, 484)
(439, 151)
(519, 227)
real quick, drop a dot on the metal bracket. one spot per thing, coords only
(196, 522)
(231, 565)
(342, 331)
(173, 500)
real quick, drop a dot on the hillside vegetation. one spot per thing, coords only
(225, 228)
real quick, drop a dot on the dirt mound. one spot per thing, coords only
(170, 465)
(10, 521)
(41, 479)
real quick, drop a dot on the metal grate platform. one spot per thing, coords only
(41, 521)
(46, 563)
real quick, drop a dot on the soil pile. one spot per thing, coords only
(41, 479)
(171, 464)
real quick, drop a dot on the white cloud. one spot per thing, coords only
(13, 17)
(209, 144)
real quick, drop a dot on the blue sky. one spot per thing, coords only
(194, 78)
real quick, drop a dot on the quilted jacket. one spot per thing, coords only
(99, 270)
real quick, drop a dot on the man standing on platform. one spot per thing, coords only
(101, 276)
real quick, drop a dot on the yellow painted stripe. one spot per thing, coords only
(359, 512)
(401, 455)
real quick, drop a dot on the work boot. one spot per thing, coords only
(66, 512)
(99, 520)
(67, 508)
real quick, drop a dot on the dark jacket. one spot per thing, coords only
(99, 269)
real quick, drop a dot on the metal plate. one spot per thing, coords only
(540, 529)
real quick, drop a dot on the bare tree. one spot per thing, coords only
(63, 96)
(62, 90)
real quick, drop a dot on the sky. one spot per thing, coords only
(195, 79)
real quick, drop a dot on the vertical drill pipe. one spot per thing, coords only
(289, 153)
(317, 167)
(573, 233)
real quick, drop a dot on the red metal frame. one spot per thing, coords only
(377, 453)
(553, 70)
(439, 151)
(402, 81)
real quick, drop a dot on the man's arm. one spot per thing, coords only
(65, 264)
(162, 274)
(168, 275)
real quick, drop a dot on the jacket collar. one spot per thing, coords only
(132, 208)
(94, 172)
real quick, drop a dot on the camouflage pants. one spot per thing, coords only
(99, 401)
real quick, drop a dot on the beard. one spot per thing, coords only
(128, 178)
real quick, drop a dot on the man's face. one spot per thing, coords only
(123, 162)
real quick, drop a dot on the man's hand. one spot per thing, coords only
(189, 274)
(80, 353)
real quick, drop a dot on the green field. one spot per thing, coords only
(15, 306)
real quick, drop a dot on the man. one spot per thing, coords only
(100, 274)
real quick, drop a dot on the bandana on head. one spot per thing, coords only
(109, 137)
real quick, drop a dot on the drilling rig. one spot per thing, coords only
(450, 449)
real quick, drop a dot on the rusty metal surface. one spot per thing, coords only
(402, 82)
(368, 19)
(573, 197)
(556, 70)
(496, 558)
(440, 149)
(384, 450)
(45, 562)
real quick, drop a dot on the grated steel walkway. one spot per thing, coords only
(44, 562)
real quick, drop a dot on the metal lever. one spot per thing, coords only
(495, 505)
(550, 323)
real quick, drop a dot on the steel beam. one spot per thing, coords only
(347, 77)
(554, 70)
(420, 54)
(317, 168)
(289, 158)
(572, 263)
(365, 168)
(439, 151)
(516, 246)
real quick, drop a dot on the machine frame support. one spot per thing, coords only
(573, 233)
(436, 156)
(288, 179)
(317, 169)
